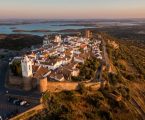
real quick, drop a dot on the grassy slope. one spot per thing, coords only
(130, 62)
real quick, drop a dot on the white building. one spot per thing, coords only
(61, 49)
(46, 41)
(51, 64)
(57, 77)
(57, 38)
(77, 52)
(75, 72)
(26, 65)
(79, 59)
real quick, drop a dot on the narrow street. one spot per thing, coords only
(105, 60)
(105, 54)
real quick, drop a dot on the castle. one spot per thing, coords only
(56, 60)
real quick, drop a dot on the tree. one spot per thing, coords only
(16, 68)
(81, 88)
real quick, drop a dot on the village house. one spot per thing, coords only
(54, 76)
(79, 59)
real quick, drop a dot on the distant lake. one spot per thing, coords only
(52, 26)
(55, 26)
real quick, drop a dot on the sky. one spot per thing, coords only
(71, 9)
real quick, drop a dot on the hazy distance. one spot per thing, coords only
(71, 9)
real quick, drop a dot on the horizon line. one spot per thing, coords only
(70, 18)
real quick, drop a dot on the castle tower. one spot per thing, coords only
(26, 65)
(46, 40)
(43, 85)
(88, 34)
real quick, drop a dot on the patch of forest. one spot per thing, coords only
(18, 42)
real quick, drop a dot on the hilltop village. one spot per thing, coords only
(56, 60)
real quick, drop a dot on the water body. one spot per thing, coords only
(55, 26)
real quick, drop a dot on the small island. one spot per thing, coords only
(31, 30)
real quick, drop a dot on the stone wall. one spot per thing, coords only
(93, 85)
(60, 86)
(20, 82)
(29, 113)
(13, 80)
(27, 84)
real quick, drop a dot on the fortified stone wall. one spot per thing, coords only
(44, 85)
(60, 86)
(14, 80)
(23, 83)
(93, 85)
(29, 113)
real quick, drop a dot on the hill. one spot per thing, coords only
(123, 98)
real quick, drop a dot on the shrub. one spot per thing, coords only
(92, 115)
(95, 99)
(76, 79)
(88, 69)
(81, 88)
(125, 92)
(2, 56)
(106, 115)
(16, 68)
(122, 105)
(130, 77)
(113, 79)
(67, 96)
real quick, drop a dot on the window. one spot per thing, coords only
(29, 67)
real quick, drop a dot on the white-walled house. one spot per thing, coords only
(46, 41)
(61, 49)
(79, 59)
(52, 64)
(56, 76)
(75, 72)
(77, 52)
(66, 60)
(53, 52)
